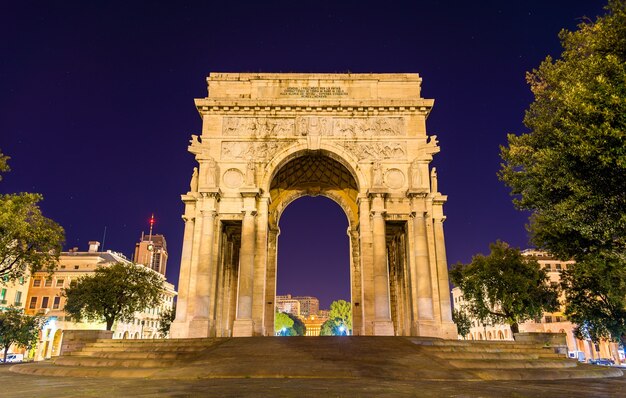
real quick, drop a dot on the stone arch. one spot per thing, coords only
(500, 335)
(334, 152)
(56, 343)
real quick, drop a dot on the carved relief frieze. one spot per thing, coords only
(259, 151)
(376, 150)
(263, 127)
(258, 127)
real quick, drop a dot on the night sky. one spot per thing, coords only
(96, 107)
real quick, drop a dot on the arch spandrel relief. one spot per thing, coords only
(360, 141)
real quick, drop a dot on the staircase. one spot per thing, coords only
(398, 358)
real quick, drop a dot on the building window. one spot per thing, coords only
(63, 267)
(36, 282)
(558, 267)
(60, 282)
(76, 267)
(48, 283)
(33, 303)
(3, 296)
(55, 304)
(548, 319)
(558, 319)
(18, 299)
(44, 302)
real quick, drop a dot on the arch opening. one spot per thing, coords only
(327, 215)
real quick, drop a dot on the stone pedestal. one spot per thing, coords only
(243, 328)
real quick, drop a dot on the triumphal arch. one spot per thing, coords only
(268, 139)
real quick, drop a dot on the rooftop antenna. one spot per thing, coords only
(104, 237)
(151, 225)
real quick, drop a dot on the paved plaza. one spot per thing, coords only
(67, 387)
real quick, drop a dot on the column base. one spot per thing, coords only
(427, 328)
(200, 327)
(383, 328)
(449, 330)
(243, 328)
(179, 330)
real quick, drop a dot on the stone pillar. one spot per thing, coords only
(383, 326)
(260, 267)
(424, 288)
(244, 325)
(270, 291)
(201, 324)
(442, 271)
(179, 326)
(356, 283)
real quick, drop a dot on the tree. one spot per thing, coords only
(298, 326)
(4, 165)
(19, 329)
(282, 324)
(342, 310)
(113, 293)
(595, 295)
(570, 169)
(166, 318)
(463, 322)
(28, 240)
(505, 287)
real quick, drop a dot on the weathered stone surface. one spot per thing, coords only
(268, 139)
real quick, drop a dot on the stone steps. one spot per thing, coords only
(397, 358)
(87, 361)
(514, 364)
(133, 354)
(495, 355)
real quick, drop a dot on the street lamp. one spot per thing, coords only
(342, 330)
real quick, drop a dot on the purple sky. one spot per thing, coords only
(96, 107)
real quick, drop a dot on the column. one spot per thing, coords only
(178, 329)
(382, 322)
(243, 325)
(424, 288)
(442, 271)
(201, 323)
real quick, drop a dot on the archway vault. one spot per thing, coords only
(313, 173)
(358, 139)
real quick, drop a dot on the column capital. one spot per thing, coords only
(211, 193)
(187, 218)
(208, 213)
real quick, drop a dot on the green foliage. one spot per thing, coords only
(19, 329)
(298, 326)
(4, 165)
(342, 310)
(333, 327)
(282, 323)
(504, 287)
(462, 321)
(113, 293)
(28, 240)
(595, 291)
(166, 318)
(570, 169)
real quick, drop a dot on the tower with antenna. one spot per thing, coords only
(151, 250)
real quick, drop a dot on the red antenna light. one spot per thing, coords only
(151, 225)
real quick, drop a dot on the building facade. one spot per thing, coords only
(308, 305)
(288, 304)
(45, 298)
(151, 251)
(550, 322)
(268, 139)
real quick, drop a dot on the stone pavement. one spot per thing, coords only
(18, 385)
